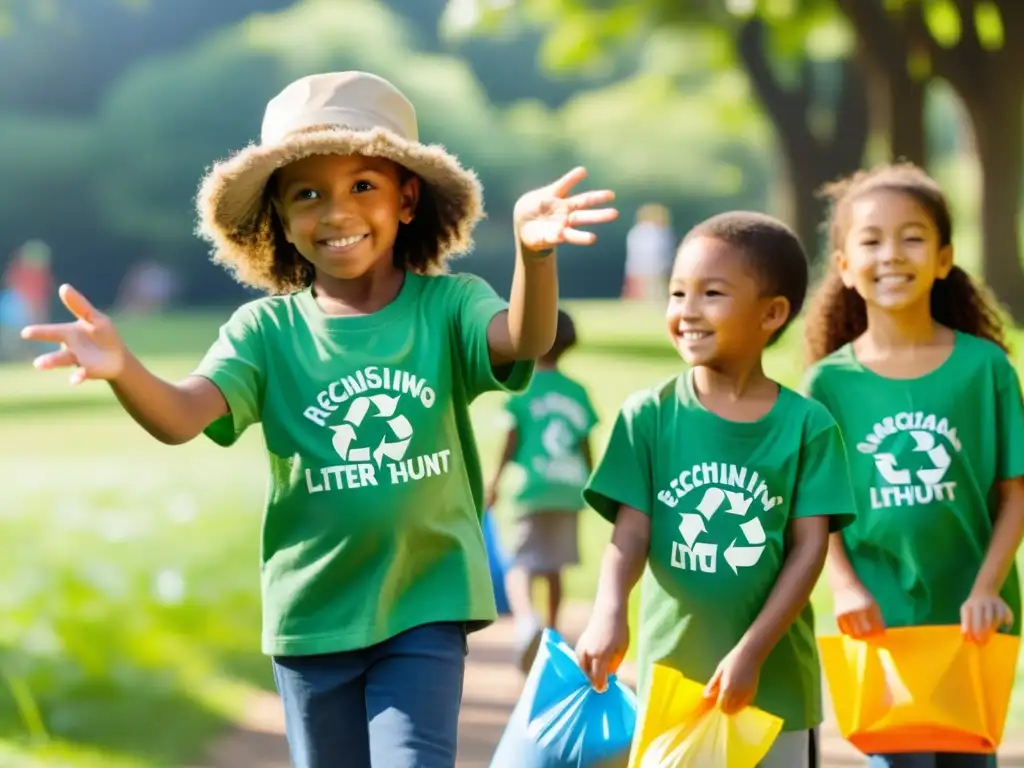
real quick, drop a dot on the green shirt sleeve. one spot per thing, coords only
(1009, 422)
(236, 364)
(476, 305)
(623, 476)
(823, 479)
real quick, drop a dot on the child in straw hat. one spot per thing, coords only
(361, 366)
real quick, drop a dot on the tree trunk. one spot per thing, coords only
(906, 117)
(999, 133)
(811, 160)
(897, 98)
(990, 83)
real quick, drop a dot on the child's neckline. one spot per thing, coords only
(395, 309)
(954, 349)
(690, 394)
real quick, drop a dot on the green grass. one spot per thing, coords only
(130, 607)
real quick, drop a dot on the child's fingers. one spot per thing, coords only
(857, 624)
(876, 624)
(62, 358)
(77, 304)
(55, 333)
(78, 376)
(731, 702)
(592, 667)
(711, 690)
(974, 621)
(578, 237)
(843, 625)
(590, 200)
(727, 703)
(1006, 616)
(597, 216)
(569, 180)
(599, 674)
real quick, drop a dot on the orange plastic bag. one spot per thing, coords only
(678, 729)
(920, 689)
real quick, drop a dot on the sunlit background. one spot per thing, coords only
(129, 614)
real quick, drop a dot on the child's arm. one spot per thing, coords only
(511, 443)
(172, 413)
(985, 611)
(735, 681)
(857, 613)
(544, 219)
(604, 642)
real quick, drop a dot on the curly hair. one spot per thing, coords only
(248, 237)
(837, 315)
(277, 265)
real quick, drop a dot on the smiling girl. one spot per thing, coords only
(910, 360)
(360, 366)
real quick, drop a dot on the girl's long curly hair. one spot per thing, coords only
(837, 315)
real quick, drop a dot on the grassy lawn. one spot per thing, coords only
(131, 600)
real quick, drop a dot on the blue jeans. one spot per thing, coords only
(933, 760)
(392, 705)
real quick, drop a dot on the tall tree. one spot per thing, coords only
(977, 46)
(790, 86)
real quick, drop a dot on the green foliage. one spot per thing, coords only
(40, 156)
(128, 172)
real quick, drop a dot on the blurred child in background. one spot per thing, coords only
(549, 442)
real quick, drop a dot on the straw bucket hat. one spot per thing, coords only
(337, 113)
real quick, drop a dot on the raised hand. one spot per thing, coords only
(90, 343)
(546, 217)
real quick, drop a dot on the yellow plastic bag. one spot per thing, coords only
(679, 729)
(920, 689)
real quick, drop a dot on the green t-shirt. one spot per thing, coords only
(372, 520)
(720, 495)
(925, 457)
(552, 419)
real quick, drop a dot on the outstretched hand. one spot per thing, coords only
(90, 344)
(546, 217)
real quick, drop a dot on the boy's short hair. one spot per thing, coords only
(772, 249)
(565, 336)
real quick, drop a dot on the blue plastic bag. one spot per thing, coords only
(562, 722)
(497, 561)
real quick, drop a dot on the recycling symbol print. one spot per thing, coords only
(743, 550)
(926, 443)
(363, 410)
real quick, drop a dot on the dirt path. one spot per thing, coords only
(492, 687)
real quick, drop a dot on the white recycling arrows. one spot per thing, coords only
(691, 527)
(693, 524)
(741, 557)
(940, 458)
(384, 407)
(924, 442)
(886, 465)
(344, 436)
